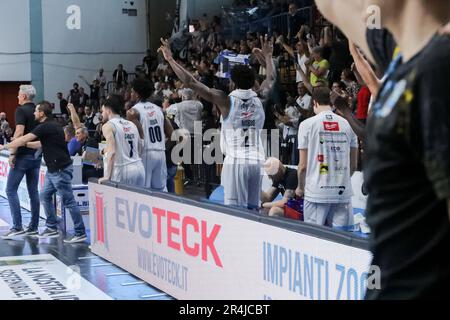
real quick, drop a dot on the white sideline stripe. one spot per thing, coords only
(101, 265)
(3, 223)
(127, 284)
(117, 274)
(89, 258)
(154, 295)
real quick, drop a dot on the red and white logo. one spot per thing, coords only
(100, 218)
(3, 169)
(331, 126)
(321, 158)
(42, 179)
(247, 114)
(151, 114)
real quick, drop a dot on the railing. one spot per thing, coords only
(110, 85)
(241, 25)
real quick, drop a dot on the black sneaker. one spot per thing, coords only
(76, 239)
(31, 232)
(49, 234)
(13, 233)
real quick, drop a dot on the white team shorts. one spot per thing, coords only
(336, 215)
(155, 169)
(242, 183)
(132, 174)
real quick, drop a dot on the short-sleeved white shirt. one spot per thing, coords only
(329, 140)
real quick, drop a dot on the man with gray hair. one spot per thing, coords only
(188, 111)
(24, 162)
(186, 114)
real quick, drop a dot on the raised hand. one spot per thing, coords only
(341, 102)
(266, 46)
(280, 40)
(165, 49)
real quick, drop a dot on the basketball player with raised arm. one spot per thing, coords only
(243, 120)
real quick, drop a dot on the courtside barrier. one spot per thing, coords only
(23, 191)
(201, 251)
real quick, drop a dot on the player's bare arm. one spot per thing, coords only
(338, 13)
(134, 116)
(214, 96)
(110, 151)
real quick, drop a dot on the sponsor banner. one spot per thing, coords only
(22, 191)
(194, 253)
(81, 195)
(43, 277)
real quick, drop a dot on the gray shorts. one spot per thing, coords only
(155, 169)
(133, 175)
(336, 215)
(242, 183)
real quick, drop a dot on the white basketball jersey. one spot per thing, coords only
(241, 131)
(127, 142)
(152, 120)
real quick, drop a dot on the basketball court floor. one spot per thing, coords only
(107, 279)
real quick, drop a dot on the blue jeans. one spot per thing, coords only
(61, 183)
(27, 166)
(171, 173)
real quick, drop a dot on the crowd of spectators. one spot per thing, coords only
(306, 57)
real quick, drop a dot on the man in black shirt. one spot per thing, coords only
(295, 22)
(120, 77)
(74, 96)
(407, 167)
(24, 162)
(90, 120)
(49, 136)
(285, 181)
(63, 104)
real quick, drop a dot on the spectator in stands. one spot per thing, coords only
(62, 103)
(101, 78)
(90, 120)
(98, 136)
(285, 181)
(340, 58)
(150, 62)
(82, 135)
(319, 68)
(84, 98)
(94, 97)
(120, 77)
(289, 123)
(186, 114)
(171, 166)
(188, 111)
(301, 55)
(74, 96)
(73, 144)
(295, 21)
(348, 77)
(328, 158)
(363, 101)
